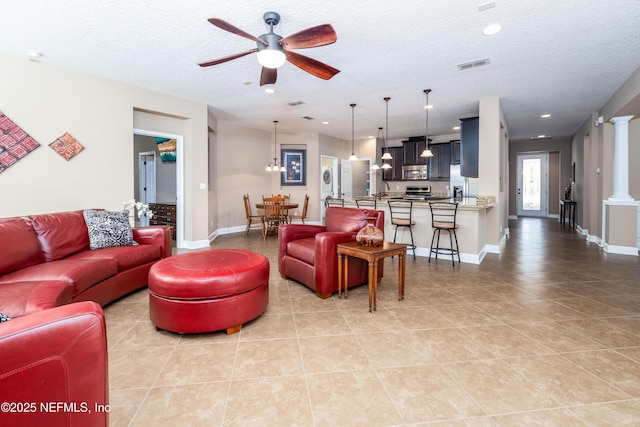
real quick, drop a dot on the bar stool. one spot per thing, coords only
(367, 202)
(401, 211)
(332, 201)
(443, 217)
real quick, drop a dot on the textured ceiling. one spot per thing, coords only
(564, 57)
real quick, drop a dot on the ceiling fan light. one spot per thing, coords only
(426, 153)
(387, 156)
(271, 58)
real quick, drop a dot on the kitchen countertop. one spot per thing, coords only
(468, 203)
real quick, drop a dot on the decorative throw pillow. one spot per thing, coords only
(4, 318)
(108, 228)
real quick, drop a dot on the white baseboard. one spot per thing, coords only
(622, 250)
(195, 244)
(513, 217)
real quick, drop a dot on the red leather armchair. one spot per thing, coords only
(54, 368)
(307, 253)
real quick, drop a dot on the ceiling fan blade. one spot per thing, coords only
(311, 37)
(268, 76)
(226, 58)
(224, 25)
(311, 66)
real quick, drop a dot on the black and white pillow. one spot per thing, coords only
(4, 318)
(108, 228)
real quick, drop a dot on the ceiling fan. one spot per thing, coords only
(273, 50)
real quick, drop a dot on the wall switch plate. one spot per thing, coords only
(203, 185)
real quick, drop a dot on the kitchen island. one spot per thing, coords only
(471, 219)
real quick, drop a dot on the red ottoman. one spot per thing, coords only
(208, 291)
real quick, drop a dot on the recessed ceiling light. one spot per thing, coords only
(269, 90)
(492, 29)
(34, 55)
(545, 116)
(325, 123)
(430, 106)
(456, 128)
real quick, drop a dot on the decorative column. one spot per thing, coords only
(621, 159)
(620, 212)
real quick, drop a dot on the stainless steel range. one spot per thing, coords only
(418, 193)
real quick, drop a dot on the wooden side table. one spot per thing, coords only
(372, 255)
(571, 204)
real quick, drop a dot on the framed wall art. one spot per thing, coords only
(295, 163)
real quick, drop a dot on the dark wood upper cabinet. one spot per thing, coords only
(395, 173)
(412, 148)
(440, 163)
(469, 144)
(455, 152)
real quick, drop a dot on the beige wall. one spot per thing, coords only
(491, 172)
(593, 146)
(47, 101)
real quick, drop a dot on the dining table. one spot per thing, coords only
(285, 206)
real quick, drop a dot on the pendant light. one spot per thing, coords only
(375, 166)
(387, 155)
(352, 157)
(426, 152)
(273, 167)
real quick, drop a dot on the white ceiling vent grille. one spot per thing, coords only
(294, 103)
(473, 64)
(307, 118)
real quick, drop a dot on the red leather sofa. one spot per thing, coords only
(53, 369)
(45, 261)
(308, 254)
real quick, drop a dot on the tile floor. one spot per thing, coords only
(546, 333)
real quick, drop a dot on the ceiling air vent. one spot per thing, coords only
(473, 64)
(294, 103)
(307, 118)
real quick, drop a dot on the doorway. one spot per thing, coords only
(146, 182)
(356, 178)
(533, 184)
(179, 178)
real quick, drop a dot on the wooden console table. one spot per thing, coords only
(571, 204)
(372, 255)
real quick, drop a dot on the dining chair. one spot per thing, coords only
(443, 218)
(250, 216)
(273, 215)
(303, 215)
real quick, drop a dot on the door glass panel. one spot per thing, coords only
(531, 180)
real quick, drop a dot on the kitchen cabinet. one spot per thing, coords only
(440, 163)
(412, 148)
(455, 152)
(469, 145)
(395, 173)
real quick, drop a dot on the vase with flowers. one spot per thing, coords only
(138, 210)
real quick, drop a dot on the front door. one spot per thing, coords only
(533, 184)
